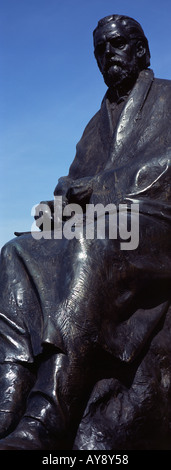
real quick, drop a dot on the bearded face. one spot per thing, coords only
(116, 55)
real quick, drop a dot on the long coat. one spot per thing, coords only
(78, 295)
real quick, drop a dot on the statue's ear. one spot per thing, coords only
(140, 49)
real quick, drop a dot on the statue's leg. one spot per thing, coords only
(42, 426)
(54, 406)
(93, 273)
(49, 406)
(17, 374)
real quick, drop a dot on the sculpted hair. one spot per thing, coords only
(133, 29)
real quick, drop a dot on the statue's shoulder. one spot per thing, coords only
(92, 123)
(161, 89)
(162, 83)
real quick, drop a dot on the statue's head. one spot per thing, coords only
(121, 49)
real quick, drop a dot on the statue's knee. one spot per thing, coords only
(8, 249)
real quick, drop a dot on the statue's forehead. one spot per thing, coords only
(109, 30)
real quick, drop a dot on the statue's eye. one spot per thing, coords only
(119, 43)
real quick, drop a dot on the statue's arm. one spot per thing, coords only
(100, 188)
(63, 186)
(150, 181)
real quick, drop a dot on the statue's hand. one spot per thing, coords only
(45, 212)
(101, 188)
(62, 187)
(80, 190)
(45, 209)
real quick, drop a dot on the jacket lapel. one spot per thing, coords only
(127, 128)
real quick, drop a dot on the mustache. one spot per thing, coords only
(114, 61)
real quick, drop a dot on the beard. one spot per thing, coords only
(121, 74)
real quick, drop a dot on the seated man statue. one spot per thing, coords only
(85, 345)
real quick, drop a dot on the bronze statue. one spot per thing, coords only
(85, 350)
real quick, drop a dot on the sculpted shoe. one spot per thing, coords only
(44, 422)
(42, 427)
(33, 434)
(29, 435)
(15, 384)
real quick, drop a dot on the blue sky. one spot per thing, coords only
(50, 87)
